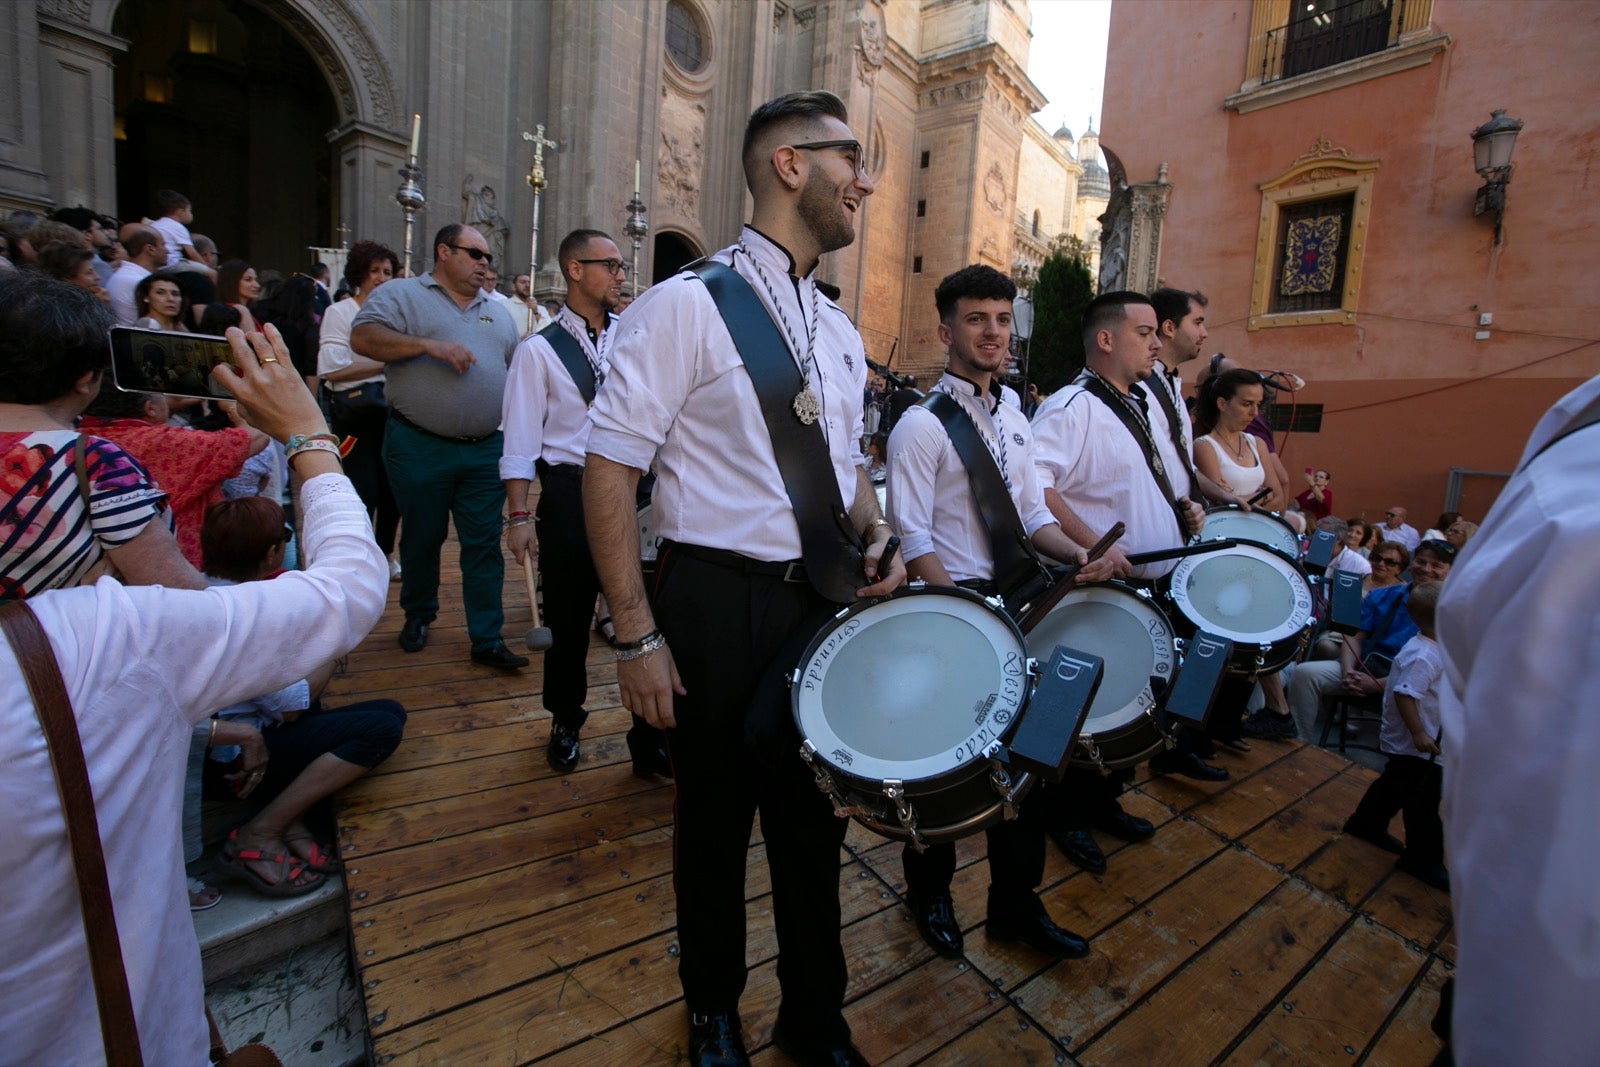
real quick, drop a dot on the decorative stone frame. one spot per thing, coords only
(1322, 172)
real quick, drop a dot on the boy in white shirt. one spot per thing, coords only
(1412, 779)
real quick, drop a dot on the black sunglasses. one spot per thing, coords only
(476, 253)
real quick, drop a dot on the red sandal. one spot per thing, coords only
(293, 879)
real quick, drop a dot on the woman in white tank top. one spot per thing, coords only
(1230, 456)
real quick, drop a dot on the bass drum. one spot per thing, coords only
(1125, 628)
(1257, 527)
(1251, 595)
(902, 702)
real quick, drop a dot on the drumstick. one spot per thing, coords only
(1260, 495)
(539, 638)
(1052, 596)
(1139, 559)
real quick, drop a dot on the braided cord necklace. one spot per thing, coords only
(1139, 416)
(805, 405)
(994, 439)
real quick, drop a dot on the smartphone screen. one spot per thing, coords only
(155, 361)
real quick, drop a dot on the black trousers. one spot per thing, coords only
(1412, 785)
(364, 466)
(734, 637)
(566, 571)
(1016, 863)
(1083, 798)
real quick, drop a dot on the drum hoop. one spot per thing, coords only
(1000, 715)
(1257, 515)
(1299, 618)
(1122, 596)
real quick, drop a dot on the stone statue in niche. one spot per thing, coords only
(1115, 240)
(478, 211)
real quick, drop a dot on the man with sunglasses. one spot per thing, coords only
(1394, 527)
(739, 588)
(447, 347)
(1364, 657)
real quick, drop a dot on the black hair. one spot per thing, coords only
(447, 236)
(79, 218)
(1224, 386)
(51, 334)
(976, 282)
(363, 254)
(805, 106)
(168, 201)
(1172, 305)
(1107, 310)
(216, 319)
(574, 242)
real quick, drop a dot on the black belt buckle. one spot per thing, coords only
(795, 571)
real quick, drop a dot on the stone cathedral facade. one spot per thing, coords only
(287, 123)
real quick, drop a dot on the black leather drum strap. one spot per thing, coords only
(1141, 434)
(572, 357)
(1015, 561)
(1154, 384)
(829, 543)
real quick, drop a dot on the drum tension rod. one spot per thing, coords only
(895, 790)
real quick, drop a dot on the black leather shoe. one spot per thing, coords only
(499, 657)
(649, 760)
(562, 751)
(414, 635)
(936, 922)
(1187, 764)
(1382, 838)
(1080, 847)
(715, 1041)
(1038, 933)
(1433, 874)
(845, 1055)
(1124, 826)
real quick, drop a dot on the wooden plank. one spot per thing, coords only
(1252, 800)
(1348, 869)
(920, 1011)
(1203, 1007)
(1332, 1013)
(1005, 1037)
(1294, 834)
(1139, 952)
(1408, 1040)
(1411, 908)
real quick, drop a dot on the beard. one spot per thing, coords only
(824, 215)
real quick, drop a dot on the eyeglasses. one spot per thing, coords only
(1390, 514)
(851, 149)
(612, 266)
(1386, 561)
(476, 253)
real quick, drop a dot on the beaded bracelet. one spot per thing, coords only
(518, 518)
(631, 646)
(313, 444)
(650, 644)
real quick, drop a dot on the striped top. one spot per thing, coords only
(48, 539)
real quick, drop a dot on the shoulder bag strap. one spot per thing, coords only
(1141, 434)
(572, 357)
(829, 542)
(1156, 384)
(118, 1030)
(1014, 558)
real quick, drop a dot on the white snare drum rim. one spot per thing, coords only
(1081, 620)
(1256, 527)
(649, 540)
(931, 673)
(1265, 572)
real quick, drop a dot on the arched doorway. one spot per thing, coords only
(220, 102)
(673, 252)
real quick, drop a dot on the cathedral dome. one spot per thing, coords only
(1095, 181)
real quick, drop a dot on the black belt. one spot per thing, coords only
(793, 570)
(394, 413)
(981, 586)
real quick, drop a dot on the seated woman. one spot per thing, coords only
(1458, 533)
(1389, 561)
(304, 752)
(1356, 535)
(1437, 531)
(62, 521)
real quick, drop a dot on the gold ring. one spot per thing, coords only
(270, 359)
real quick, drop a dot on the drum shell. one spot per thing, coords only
(948, 786)
(1132, 733)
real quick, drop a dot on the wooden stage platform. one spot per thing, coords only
(502, 913)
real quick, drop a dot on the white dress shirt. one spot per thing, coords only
(1085, 453)
(120, 289)
(678, 394)
(141, 665)
(1177, 466)
(931, 504)
(333, 349)
(1406, 535)
(1521, 640)
(543, 415)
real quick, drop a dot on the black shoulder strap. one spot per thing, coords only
(1141, 435)
(1155, 384)
(572, 357)
(1014, 558)
(829, 543)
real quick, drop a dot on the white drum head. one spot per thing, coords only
(1256, 527)
(911, 687)
(1248, 594)
(1122, 628)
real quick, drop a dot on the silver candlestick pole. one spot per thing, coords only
(536, 183)
(637, 227)
(409, 197)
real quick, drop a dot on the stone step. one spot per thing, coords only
(246, 930)
(302, 1004)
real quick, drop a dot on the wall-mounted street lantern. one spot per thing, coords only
(1492, 144)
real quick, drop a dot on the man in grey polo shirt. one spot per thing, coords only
(447, 347)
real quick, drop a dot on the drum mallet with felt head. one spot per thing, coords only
(539, 638)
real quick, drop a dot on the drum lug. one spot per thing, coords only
(1000, 781)
(1093, 752)
(824, 780)
(995, 602)
(894, 789)
(794, 677)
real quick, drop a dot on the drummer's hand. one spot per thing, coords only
(882, 584)
(647, 685)
(521, 541)
(1113, 563)
(1193, 514)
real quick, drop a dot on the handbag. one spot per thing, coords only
(365, 397)
(119, 1032)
